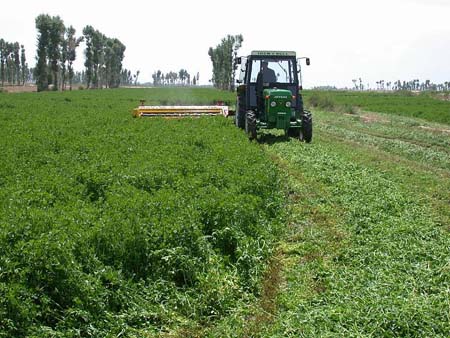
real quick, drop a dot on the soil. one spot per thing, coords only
(370, 118)
(440, 130)
(19, 89)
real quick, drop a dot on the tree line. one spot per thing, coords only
(56, 53)
(414, 84)
(223, 58)
(13, 64)
(104, 56)
(182, 77)
(127, 78)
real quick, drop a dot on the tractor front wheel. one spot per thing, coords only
(250, 124)
(306, 131)
(239, 118)
(294, 132)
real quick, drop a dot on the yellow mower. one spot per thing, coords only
(180, 111)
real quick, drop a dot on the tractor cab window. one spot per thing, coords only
(242, 70)
(280, 71)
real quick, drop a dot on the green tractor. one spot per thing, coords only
(268, 95)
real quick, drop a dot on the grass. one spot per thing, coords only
(426, 106)
(367, 249)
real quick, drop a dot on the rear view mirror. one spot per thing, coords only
(238, 60)
(308, 62)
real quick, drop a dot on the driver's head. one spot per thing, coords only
(264, 64)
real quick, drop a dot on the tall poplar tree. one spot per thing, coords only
(222, 58)
(43, 24)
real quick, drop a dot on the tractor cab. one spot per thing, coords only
(268, 95)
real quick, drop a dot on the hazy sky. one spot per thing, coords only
(345, 39)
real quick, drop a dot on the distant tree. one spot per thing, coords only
(56, 38)
(114, 63)
(63, 60)
(223, 61)
(98, 41)
(16, 56)
(182, 74)
(104, 57)
(3, 61)
(88, 33)
(23, 65)
(43, 24)
(72, 43)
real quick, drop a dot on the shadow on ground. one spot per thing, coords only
(272, 139)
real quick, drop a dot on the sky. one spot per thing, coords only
(346, 39)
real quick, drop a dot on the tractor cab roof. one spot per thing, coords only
(272, 53)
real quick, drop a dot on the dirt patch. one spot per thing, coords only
(268, 302)
(19, 89)
(439, 130)
(372, 117)
(442, 97)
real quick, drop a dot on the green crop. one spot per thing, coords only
(112, 225)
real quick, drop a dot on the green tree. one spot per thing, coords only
(2, 61)
(56, 38)
(88, 33)
(98, 40)
(43, 24)
(70, 44)
(223, 60)
(23, 65)
(113, 62)
(104, 58)
(16, 57)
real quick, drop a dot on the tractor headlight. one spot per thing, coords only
(273, 104)
(288, 104)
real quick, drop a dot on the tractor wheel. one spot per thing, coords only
(250, 124)
(306, 131)
(239, 118)
(294, 132)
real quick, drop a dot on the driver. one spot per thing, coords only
(268, 75)
(265, 75)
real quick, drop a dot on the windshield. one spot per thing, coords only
(280, 71)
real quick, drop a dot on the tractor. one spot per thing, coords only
(268, 95)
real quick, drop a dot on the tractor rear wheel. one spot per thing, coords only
(250, 124)
(239, 118)
(306, 131)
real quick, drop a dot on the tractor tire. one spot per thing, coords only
(293, 132)
(306, 130)
(250, 124)
(239, 118)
